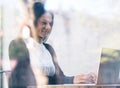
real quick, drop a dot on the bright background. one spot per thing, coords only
(81, 28)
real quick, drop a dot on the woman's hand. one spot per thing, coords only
(88, 78)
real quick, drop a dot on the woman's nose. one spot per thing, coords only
(48, 27)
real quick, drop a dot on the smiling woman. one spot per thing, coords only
(39, 61)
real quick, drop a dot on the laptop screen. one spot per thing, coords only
(109, 66)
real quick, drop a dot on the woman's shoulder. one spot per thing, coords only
(47, 45)
(17, 41)
(50, 49)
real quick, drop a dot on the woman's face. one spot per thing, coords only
(44, 25)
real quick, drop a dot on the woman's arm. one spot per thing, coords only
(59, 75)
(62, 79)
(22, 74)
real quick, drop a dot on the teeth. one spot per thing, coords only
(44, 31)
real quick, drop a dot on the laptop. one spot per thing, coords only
(109, 68)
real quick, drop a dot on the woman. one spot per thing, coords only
(34, 56)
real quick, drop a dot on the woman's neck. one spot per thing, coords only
(40, 40)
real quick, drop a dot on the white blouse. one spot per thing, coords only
(40, 57)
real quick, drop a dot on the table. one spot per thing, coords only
(79, 86)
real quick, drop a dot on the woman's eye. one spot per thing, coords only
(44, 23)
